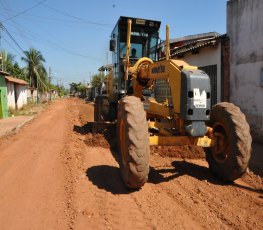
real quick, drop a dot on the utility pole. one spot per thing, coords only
(1, 57)
(37, 92)
(90, 77)
(49, 74)
(49, 78)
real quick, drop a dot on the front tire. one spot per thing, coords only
(229, 157)
(133, 140)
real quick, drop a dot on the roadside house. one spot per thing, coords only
(31, 94)
(3, 96)
(210, 53)
(16, 92)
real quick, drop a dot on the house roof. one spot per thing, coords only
(4, 73)
(189, 38)
(106, 67)
(195, 37)
(197, 44)
(16, 80)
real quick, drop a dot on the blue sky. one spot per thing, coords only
(73, 36)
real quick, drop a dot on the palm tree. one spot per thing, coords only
(7, 60)
(35, 69)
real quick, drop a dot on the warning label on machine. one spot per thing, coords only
(199, 98)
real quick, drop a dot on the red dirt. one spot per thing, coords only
(188, 151)
(56, 174)
(96, 140)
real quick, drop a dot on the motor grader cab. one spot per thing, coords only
(186, 119)
(144, 40)
(143, 43)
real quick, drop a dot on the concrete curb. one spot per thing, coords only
(15, 129)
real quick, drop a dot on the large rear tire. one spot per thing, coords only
(101, 109)
(133, 140)
(229, 157)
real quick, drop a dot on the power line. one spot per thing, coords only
(51, 19)
(24, 11)
(8, 14)
(12, 46)
(79, 74)
(61, 48)
(58, 46)
(12, 38)
(75, 17)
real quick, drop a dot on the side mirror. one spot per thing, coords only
(112, 45)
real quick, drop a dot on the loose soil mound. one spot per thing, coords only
(104, 135)
(187, 151)
(96, 140)
(99, 134)
(254, 180)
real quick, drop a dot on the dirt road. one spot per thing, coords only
(55, 174)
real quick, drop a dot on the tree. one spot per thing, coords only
(18, 72)
(7, 61)
(97, 80)
(78, 88)
(35, 69)
(59, 89)
(73, 87)
(12, 67)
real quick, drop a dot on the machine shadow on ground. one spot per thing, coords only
(181, 168)
(105, 177)
(108, 177)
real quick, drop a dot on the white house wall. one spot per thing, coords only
(11, 103)
(206, 57)
(31, 95)
(244, 27)
(25, 95)
(21, 95)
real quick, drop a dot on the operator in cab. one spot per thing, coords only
(133, 53)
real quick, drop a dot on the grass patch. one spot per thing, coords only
(28, 110)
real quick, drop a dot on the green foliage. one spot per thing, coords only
(34, 72)
(78, 88)
(73, 87)
(12, 67)
(59, 89)
(81, 88)
(35, 69)
(6, 61)
(18, 72)
(97, 79)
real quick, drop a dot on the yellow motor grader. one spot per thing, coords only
(186, 118)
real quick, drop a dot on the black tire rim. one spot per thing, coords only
(220, 148)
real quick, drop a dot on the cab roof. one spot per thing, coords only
(139, 24)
